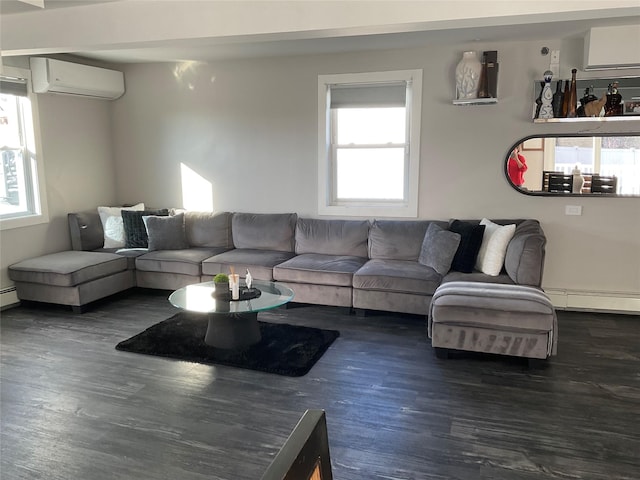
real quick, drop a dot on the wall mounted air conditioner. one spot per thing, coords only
(55, 76)
(612, 47)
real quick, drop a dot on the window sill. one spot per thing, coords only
(370, 212)
(26, 221)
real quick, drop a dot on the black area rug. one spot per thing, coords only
(285, 349)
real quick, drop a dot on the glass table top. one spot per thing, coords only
(199, 298)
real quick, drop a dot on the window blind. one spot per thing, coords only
(13, 86)
(369, 95)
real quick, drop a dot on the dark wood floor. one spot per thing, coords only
(73, 407)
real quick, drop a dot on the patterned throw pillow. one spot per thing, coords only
(135, 233)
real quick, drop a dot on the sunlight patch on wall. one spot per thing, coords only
(186, 74)
(197, 191)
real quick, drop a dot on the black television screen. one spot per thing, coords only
(305, 454)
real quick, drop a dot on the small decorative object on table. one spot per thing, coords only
(221, 281)
(248, 279)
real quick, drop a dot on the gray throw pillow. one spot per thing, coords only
(166, 233)
(438, 248)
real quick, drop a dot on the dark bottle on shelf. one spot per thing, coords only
(483, 83)
(613, 107)
(565, 100)
(556, 103)
(573, 96)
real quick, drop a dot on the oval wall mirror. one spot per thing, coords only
(569, 164)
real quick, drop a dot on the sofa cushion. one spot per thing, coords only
(475, 276)
(470, 243)
(332, 237)
(259, 262)
(494, 246)
(207, 229)
(319, 269)
(397, 239)
(112, 226)
(397, 276)
(186, 262)
(166, 233)
(86, 230)
(266, 231)
(66, 269)
(135, 232)
(524, 259)
(438, 248)
(517, 307)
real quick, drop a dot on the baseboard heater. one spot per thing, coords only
(8, 297)
(615, 302)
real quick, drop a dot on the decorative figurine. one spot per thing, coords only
(546, 108)
(248, 279)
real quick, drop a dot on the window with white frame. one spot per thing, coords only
(369, 143)
(21, 191)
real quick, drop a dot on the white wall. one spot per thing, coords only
(249, 128)
(79, 169)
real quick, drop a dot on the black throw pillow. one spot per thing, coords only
(135, 233)
(470, 242)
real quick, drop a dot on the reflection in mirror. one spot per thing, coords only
(580, 165)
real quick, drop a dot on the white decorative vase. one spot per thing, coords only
(468, 73)
(578, 181)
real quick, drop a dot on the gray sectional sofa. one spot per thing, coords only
(360, 264)
(353, 263)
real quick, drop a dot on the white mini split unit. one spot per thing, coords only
(55, 76)
(612, 47)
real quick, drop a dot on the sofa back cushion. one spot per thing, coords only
(207, 229)
(86, 230)
(332, 237)
(398, 239)
(264, 231)
(524, 261)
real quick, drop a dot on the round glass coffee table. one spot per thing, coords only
(232, 323)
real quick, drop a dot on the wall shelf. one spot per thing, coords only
(476, 101)
(628, 87)
(622, 118)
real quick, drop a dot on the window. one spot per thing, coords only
(369, 143)
(610, 156)
(21, 171)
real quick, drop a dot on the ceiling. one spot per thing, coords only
(303, 42)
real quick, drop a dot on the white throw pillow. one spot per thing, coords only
(494, 247)
(111, 218)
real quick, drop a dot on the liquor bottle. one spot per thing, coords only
(613, 107)
(558, 97)
(565, 100)
(573, 96)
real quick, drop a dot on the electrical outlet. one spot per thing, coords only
(555, 56)
(573, 210)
